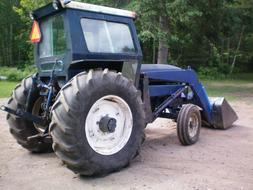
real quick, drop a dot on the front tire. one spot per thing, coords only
(97, 123)
(188, 124)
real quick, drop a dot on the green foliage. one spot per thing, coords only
(211, 73)
(210, 36)
(201, 32)
(240, 77)
(17, 74)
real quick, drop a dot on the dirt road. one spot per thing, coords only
(220, 160)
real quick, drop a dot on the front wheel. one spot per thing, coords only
(188, 124)
(97, 123)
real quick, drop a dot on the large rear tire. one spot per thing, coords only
(20, 128)
(83, 138)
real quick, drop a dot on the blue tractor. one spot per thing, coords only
(92, 98)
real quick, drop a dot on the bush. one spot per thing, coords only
(216, 72)
(15, 74)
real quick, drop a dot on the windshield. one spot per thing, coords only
(53, 37)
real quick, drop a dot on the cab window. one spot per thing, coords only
(53, 37)
(107, 37)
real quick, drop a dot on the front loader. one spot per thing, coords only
(92, 97)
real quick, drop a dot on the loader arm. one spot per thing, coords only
(215, 112)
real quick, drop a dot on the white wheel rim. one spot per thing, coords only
(106, 143)
(193, 125)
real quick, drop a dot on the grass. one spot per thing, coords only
(237, 87)
(6, 88)
(229, 90)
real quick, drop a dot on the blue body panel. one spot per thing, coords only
(170, 73)
(163, 90)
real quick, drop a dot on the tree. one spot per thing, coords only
(205, 34)
(163, 21)
(9, 26)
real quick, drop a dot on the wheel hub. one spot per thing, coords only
(193, 125)
(107, 124)
(39, 111)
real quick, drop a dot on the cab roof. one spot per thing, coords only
(51, 9)
(100, 9)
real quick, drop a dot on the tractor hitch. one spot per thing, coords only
(23, 114)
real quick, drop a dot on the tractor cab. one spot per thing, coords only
(80, 36)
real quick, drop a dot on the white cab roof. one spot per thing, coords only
(99, 9)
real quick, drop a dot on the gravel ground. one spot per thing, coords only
(220, 160)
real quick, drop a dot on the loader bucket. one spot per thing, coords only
(223, 114)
